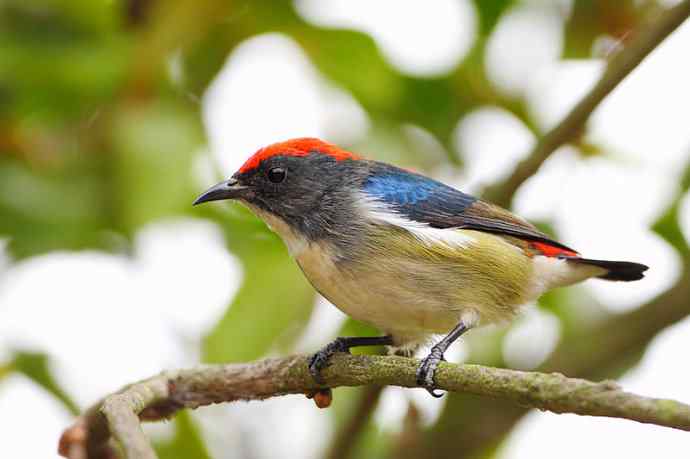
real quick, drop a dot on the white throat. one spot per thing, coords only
(296, 243)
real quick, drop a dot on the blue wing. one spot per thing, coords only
(417, 197)
(425, 200)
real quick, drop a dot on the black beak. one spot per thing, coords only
(229, 189)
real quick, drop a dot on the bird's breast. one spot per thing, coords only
(404, 285)
(382, 295)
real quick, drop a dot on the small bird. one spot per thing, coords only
(400, 251)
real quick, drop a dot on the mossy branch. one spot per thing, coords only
(119, 415)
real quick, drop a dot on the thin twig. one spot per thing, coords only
(345, 440)
(206, 385)
(619, 66)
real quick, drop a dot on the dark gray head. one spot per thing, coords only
(307, 183)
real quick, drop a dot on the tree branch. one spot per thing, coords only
(162, 395)
(608, 348)
(619, 66)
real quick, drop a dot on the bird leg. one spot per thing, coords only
(426, 370)
(319, 361)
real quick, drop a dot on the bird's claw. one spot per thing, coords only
(320, 360)
(426, 372)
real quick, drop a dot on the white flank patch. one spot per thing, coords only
(379, 211)
(552, 272)
(470, 317)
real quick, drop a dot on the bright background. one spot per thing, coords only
(115, 114)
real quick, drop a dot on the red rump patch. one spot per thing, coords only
(550, 251)
(297, 147)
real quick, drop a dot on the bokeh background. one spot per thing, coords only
(115, 114)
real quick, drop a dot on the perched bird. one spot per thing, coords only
(401, 251)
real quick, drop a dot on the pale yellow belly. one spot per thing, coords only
(411, 288)
(412, 296)
(391, 304)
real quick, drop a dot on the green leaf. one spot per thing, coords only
(42, 210)
(668, 227)
(187, 442)
(70, 17)
(489, 13)
(6, 369)
(155, 147)
(272, 306)
(668, 224)
(35, 366)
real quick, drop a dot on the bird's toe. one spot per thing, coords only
(318, 362)
(426, 372)
(321, 359)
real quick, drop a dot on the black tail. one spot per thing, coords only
(618, 270)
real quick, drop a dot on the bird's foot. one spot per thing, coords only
(427, 370)
(320, 360)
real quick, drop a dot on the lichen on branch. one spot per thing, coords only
(119, 415)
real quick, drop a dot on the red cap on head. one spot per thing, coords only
(297, 147)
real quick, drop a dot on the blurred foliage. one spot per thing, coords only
(668, 225)
(280, 300)
(100, 136)
(591, 20)
(96, 146)
(186, 442)
(6, 369)
(35, 366)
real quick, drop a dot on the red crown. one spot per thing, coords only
(296, 147)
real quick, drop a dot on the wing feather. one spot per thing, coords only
(424, 200)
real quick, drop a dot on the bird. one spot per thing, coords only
(398, 250)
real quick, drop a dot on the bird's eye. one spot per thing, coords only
(277, 174)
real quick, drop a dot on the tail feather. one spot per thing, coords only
(617, 270)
